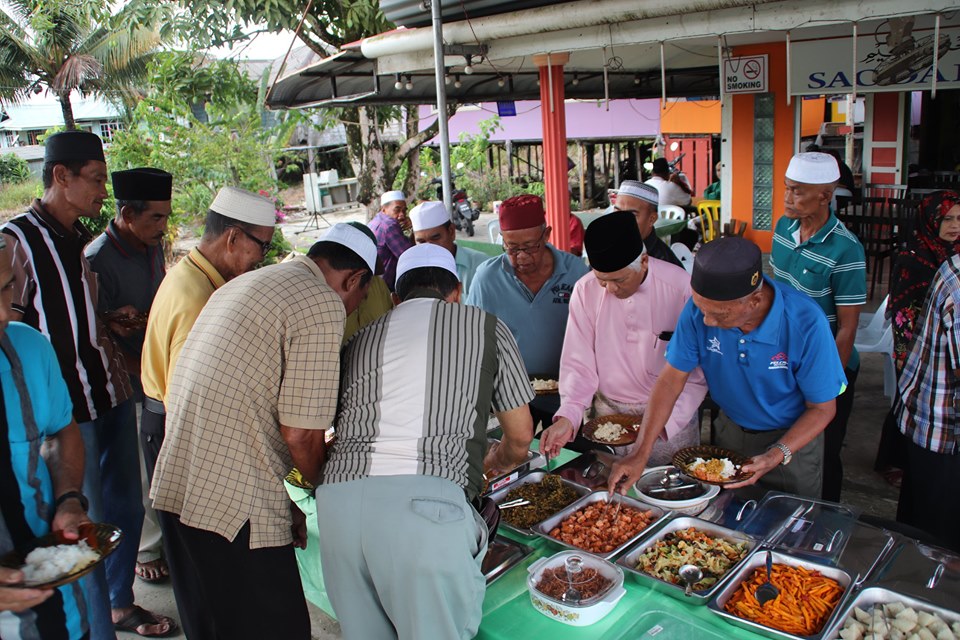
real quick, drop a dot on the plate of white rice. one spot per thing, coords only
(615, 430)
(51, 561)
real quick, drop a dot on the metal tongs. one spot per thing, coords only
(619, 502)
(518, 502)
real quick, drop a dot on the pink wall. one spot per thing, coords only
(585, 120)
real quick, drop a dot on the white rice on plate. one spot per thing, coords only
(44, 564)
(609, 432)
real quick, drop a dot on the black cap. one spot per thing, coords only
(73, 145)
(144, 183)
(613, 241)
(660, 165)
(727, 269)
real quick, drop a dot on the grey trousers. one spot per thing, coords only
(803, 476)
(401, 558)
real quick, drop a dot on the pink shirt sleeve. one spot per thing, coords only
(578, 362)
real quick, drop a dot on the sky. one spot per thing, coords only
(264, 46)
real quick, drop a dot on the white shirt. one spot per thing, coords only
(670, 193)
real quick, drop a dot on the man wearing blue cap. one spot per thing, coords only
(55, 292)
(417, 388)
(767, 353)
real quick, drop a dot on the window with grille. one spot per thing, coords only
(763, 162)
(107, 129)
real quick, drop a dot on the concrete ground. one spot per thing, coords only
(863, 488)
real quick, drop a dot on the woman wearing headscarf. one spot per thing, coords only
(936, 237)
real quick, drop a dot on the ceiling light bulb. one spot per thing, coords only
(576, 80)
(446, 78)
(468, 69)
(409, 85)
(636, 79)
(501, 82)
(457, 82)
(398, 85)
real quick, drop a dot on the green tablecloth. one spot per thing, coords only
(508, 614)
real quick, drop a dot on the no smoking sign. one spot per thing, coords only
(746, 74)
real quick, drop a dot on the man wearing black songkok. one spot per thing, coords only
(768, 355)
(128, 259)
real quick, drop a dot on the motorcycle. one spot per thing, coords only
(463, 214)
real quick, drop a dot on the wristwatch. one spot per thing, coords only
(785, 450)
(82, 499)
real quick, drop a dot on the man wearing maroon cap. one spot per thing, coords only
(529, 286)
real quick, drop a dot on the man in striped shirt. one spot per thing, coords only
(417, 387)
(54, 292)
(928, 413)
(814, 252)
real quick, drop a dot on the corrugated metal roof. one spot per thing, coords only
(414, 13)
(43, 112)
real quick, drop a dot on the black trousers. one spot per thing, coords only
(833, 437)
(151, 438)
(227, 591)
(929, 500)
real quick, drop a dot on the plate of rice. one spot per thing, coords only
(713, 465)
(544, 384)
(51, 561)
(615, 430)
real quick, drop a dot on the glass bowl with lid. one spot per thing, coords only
(574, 587)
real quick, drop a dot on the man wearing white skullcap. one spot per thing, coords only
(389, 226)
(641, 199)
(254, 389)
(431, 224)
(411, 452)
(815, 253)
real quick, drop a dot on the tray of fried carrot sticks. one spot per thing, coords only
(810, 595)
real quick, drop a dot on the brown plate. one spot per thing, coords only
(101, 537)
(136, 322)
(629, 422)
(549, 377)
(684, 458)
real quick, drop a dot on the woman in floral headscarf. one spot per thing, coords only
(936, 238)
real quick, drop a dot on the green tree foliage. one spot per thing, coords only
(67, 45)
(13, 169)
(202, 124)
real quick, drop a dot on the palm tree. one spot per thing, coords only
(67, 45)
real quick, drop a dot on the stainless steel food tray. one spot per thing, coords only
(866, 598)
(543, 529)
(758, 559)
(503, 554)
(500, 495)
(629, 560)
(532, 461)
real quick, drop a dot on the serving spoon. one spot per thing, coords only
(767, 592)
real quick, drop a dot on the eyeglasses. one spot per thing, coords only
(530, 250)
(265, 246)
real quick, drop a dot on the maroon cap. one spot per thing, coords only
(522, 212)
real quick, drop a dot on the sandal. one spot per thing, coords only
(153, 571)
(140, 617)
(893, 476)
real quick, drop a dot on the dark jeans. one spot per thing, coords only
(152, 426)
(228, 591)
(928, 497)
(833, 437)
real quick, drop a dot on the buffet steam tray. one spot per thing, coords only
(500, 495)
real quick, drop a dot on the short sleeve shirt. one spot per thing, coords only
(264, 352)
(762, 379)
(829, 267)
(538, 322)
(468, 260)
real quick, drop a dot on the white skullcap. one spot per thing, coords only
(355, 240)
(390, 196)
(238, 204)
(428, 215)
(426, 255)
(640, 190)
(813, 167)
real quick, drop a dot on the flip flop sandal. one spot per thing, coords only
(140, 617)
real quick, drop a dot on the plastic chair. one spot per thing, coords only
(875, 335)
(709, 211)
(672, 212)
(493, 231)
(684, 255)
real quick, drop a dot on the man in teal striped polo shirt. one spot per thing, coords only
(815, 253)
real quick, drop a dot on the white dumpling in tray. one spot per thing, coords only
(909, 613)
(945, 633)
(925, 619)
(851, 633)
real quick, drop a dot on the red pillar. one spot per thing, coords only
(557, 194)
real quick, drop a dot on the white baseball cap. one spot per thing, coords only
(242, 205)
(813, 167)
(428, 215)
(426, 255)
(391, 196)
(355, 240)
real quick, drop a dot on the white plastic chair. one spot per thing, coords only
(493, 231)
(683, 254)
(875, 335)
(672, 212)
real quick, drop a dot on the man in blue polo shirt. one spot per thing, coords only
(41, 473)
(529, 289)
(814, 253)
(770, 362)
